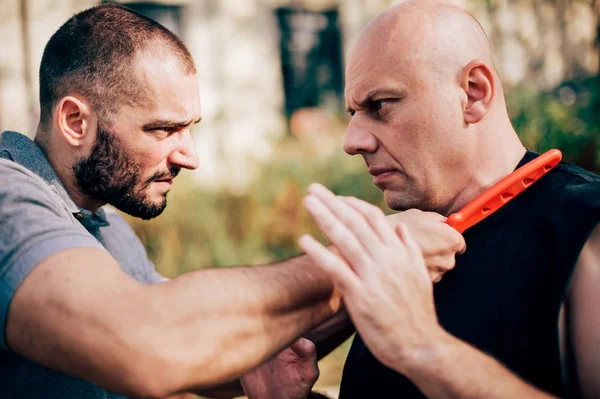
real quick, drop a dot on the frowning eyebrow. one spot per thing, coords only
(376, 95)
(168, 124)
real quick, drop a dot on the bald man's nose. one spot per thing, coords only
(185, 155)
(358, 140)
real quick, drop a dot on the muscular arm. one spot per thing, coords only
(583, 308)
(454, 369)
(78, 313)
(438, 244)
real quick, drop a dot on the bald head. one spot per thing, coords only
(434, 34)
(427, 105)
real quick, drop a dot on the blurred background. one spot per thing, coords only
(272, 77)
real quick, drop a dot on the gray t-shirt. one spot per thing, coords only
(37, 220)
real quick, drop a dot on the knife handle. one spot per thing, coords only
(504, 191)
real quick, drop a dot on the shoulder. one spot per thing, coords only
(32, 214)
(575, 188)
(573, 175)
(13, 172)
(23, 189)
(36, 224)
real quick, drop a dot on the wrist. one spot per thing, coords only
(429, 356)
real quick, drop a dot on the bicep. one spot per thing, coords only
(69, 313)
(584, 316)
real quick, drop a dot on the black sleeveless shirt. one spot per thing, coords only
(505, 292)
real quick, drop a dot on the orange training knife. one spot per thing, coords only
(502, 192)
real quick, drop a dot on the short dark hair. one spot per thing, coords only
(94, 54)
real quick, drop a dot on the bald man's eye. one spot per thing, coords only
(381, 104)
(378, 108)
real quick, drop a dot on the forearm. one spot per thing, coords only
(453, 369)
(197, 331)
(222, 323)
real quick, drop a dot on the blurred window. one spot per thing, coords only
(311, 59)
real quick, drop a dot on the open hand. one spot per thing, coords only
(380, 272)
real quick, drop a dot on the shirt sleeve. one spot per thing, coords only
(155, 277)
(135, 261)
(34, 225)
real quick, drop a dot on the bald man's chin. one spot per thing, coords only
(400, 201)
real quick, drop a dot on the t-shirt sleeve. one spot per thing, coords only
(135, 261)
(34, 224)
(154, 277)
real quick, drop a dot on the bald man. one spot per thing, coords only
(518, 316)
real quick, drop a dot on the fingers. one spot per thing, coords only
(461, 244)
(375, 217)
(354, 220)
(304, 348)
(407, 240)
(338, 234)
(336, 269)
(415, 255)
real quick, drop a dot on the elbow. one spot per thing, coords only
(144, 380)
(153, 379)
(163, 360)
(146, 367)
(153, 370)
(159, 367)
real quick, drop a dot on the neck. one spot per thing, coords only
(493, 160)
(63, 167)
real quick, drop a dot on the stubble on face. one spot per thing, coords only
(420, 134)
(109, 175)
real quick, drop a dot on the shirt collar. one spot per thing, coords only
(24, 151)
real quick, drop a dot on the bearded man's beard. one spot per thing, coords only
(109, 175)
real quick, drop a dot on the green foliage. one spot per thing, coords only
(202, 228)
(567, 118)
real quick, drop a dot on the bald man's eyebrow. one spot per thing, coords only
(168, 124)
(381, 94)
(377, 95)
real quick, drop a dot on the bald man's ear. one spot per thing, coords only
(477, 81)
(74, 120)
